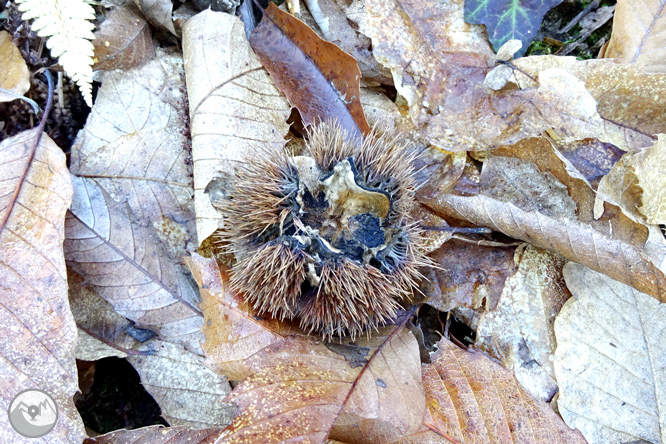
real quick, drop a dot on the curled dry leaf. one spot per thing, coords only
(232, 328)
(158, 435)
(610, 359)
(519, 331)
(126, 265)
(133, 146)
(301, 388)
(234, 105)
(638, 34)
(158, 12)
(317, 77)
(122, 41)
(14, 75)
(34, 311)
(473, 399)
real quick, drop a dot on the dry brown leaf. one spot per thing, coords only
(133, 146)
(14, 75)
(122, 41)
(367, 392)
(519, 331)
(638, 34)
(625, 94)
(34, 311)
(158, 12)
(610, 359)
(157, 435)
(468, 275)
(475, 400)
(232, 328)
(637, 183)
(125, 264)
(591, 157)
(234, 105)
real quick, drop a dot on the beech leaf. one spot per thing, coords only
(234, 105)
(317, 77)
(35, 321)
(610, 359)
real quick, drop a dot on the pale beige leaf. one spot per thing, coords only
(14, 75)
(519, 331)
(475, 400)
(303, 389)
(157, 435)
(38, 331)
(610, 359)
(159, 12)
(639, 34)
(133, 146)
(123, 261)
(234, 104)
(637, 183)
(122, 41)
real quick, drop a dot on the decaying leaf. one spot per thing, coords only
(234, 105)
(637, 36)
(122, 41)
(133, 146)
(637, 183)
(232, 328)
(35, 320)
(158, 435)
(473, 399)
(127, 266)
(369, 391)
(519, 331)
(591, 157)
(468, 275)
(609, 360)
(159, 12)
(14, 76)
(317, 77)
(506, 20)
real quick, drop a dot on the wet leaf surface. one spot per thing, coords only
(157, 435)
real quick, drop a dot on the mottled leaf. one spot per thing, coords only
(157, 435)
(317, 77)
(38, 331)
(638, 34)
(122, 260)
(234, 105)
(473, 399)
(591, 157)
(610, 359)
(509, 19)
(14, 76)
(122, 41)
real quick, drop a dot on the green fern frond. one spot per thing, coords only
(68, 25)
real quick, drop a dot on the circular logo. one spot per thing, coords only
(33, 413)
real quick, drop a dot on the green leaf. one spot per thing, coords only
(509, 19)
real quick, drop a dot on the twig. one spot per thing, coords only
(594, 5)
(458, 229)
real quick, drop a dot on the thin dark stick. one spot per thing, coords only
(458, 229)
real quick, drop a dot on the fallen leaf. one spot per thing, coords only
(506, 20)
(591, 157)
(519, 331)
(14, 76)
(157, 435)
(34, 312)
(158, 12)
(365, 392)
(473, 399)
(126, 265)
(610, 359)
(637, 34)
(637, 183)
(317, 77)
(234, 105)
(122, 41)
(232, 328)
(467, 275)
(133, 145)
